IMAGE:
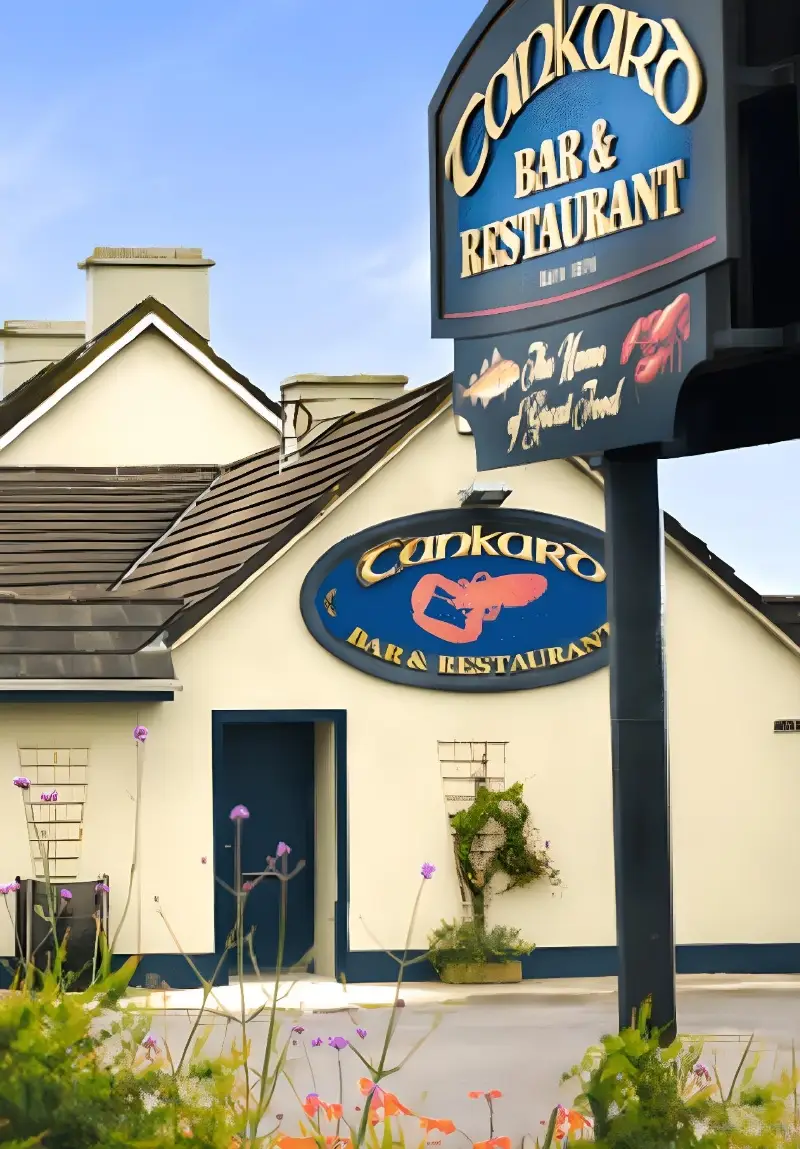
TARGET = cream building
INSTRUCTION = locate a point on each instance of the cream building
(167, 594)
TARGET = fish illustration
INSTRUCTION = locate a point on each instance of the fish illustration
(328, 602)
(494, 380)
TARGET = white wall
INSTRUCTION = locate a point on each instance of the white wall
(736, 786)
(148, 405)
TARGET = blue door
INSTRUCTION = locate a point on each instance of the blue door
(269, 768)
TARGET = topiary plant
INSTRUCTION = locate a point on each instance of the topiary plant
(495, 836)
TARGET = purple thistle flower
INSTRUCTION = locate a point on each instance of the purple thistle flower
(283, 849)
(247, 887)
(239, 813)
(362, 1033)
(66, 895)
(5, 890)
(337, 1043)
(101, 888)
(13, 887)
(298, 1029)
(150, 1042)
(316, 1041)
(428, 870)
(701, 1071)
(22, 783)
(140, 733)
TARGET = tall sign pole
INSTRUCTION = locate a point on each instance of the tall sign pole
(585, 234)
(639, 740)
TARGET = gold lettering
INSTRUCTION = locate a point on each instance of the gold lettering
(471, 261)
(572, 228)
(525, 552)
(483, 666)
(518, 664)
(534, 665)
(570, 162)
(575, 652)
(611, 60)
(393, 654)
(548, 75)
(620, 216)
(549, 176)
(464, 544)
(592, 642)
(509, 253)
(645, 195)
(501, 662)
(508, 72)
(465, 666)
(446, 664)
(364, 570)
(574, 564)
(670, 175)
(417, 661)
(565, 50)
(684, 54)
(409, 550)
(596, 222)
(374, 648)
(482, 544)
(527, 221)
(489, 247)
(463, 181)
(528, 182)
(550, 239)
(550, 552)
(556, 655)
(359, 638)
(636, 25)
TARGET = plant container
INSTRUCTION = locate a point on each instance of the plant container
(482, 973)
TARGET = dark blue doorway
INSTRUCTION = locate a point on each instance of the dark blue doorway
(269, 768)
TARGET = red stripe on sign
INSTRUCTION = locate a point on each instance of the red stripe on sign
(583, 290)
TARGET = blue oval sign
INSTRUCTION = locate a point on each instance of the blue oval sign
(466, 600)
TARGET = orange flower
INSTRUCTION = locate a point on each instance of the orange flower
(494, 1093)
(440, 1125)
(333, 1112)
(491, 1093)
(312, 1104)
(495, 1143)
(568, 1121)
(391, 1106)
(475, 1094)
(297, 1143)
(339, 1142)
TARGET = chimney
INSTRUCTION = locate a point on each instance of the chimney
(117, 278)
(311, 403)
(30, 345)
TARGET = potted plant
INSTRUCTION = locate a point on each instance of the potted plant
(493, 838)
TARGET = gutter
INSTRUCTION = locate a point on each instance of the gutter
(90, 685)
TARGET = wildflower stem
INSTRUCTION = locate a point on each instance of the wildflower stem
(136, 827)
(207, 988)
(274, 1007)
(341, 1091)
(240, 900)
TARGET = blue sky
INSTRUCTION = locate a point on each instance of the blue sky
(288, 139)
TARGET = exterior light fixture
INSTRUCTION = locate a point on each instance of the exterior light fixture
(484, 495)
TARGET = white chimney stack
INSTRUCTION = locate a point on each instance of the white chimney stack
(117, 278)
(311, 403)
(30, 345)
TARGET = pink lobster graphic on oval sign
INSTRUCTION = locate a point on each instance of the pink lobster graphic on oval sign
(480, 601)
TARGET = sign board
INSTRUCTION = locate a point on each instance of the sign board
(464, 600)
(787, 726)
(581, 192)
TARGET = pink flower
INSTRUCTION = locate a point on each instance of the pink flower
(298, 1029)
(203, 860)
(247, 887)
(66, 895)
(428, 870)
(22, 783)
(316, 1041)
(101, 888)
(362, 1033)
(140, 733)
(283, 849)
(337, 1043)
(239, 813)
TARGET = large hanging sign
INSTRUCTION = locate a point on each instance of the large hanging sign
(580, 195)
(464, 600)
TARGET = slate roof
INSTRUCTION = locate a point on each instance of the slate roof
(25, 398)
(102, 570)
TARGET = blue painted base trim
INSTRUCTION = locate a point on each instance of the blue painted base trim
(173, 969)
(13, 696)
(600, 961)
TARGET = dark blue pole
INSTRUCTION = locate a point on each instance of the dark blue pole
(639, 742)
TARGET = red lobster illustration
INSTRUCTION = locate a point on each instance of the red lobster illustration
(480, 601)
(658, 335)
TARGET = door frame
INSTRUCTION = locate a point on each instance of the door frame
(338, 718)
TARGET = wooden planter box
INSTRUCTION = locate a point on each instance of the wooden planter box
(483, 973)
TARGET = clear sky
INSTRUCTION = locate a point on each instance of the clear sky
(288, 138)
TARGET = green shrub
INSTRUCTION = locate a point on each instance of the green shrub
(464, 942)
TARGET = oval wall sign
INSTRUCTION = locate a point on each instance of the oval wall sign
(464, 600)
